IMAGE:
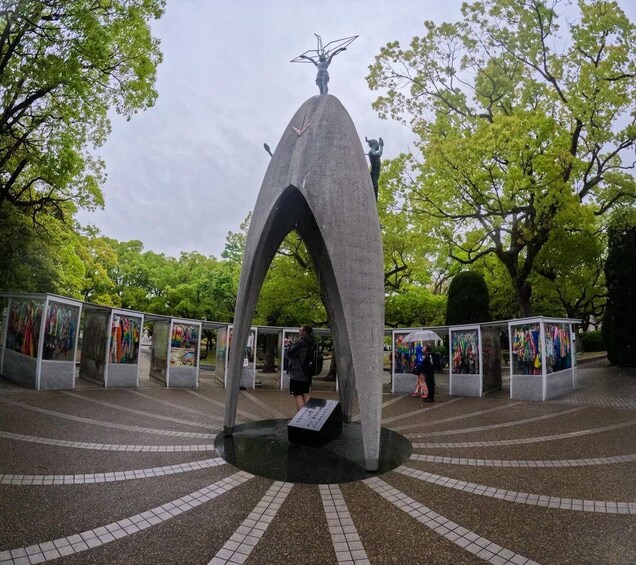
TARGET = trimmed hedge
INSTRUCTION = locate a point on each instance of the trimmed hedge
(620, 274)
(592, 341)
(468, 299)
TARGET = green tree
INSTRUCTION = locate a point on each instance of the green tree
(409, 250)
(523, 126)
(416, 270)
(620, 273)
(48, 257)
(414, 306)
(97, 256)
(144, 278)
(291, 293)
(26, 259)
(415, 276)
(202, 289)
(235, 242)
(502, 304)
(468, 299)
(63, 66)
(569, 279)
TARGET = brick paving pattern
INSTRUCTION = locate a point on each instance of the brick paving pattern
(530, 478)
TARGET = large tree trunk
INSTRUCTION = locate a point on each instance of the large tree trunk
(523, 290)
(519, 277)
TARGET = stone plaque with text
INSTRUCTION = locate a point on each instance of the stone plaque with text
(317, 423)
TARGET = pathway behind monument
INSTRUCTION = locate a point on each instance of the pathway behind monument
(317, 423)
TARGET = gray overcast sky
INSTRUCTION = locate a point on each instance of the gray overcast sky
(185, 172)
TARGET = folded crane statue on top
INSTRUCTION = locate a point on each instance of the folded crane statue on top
(321, 57)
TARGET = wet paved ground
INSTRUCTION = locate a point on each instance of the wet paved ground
(131, 476)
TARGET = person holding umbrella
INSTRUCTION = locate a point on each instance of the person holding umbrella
(418, 370)
(428, 368)
(424, 366)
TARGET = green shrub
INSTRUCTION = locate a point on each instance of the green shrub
(592, 341)
(441, 349)
(468, 300)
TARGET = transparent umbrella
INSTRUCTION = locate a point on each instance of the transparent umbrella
(421, 335)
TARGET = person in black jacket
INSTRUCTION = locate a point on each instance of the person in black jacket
(300, 356)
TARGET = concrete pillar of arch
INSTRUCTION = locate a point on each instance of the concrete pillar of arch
(318, 184)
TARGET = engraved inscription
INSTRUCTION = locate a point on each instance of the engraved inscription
(313, 417)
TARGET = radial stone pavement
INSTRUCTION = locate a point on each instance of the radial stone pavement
(131, 476)
(318, 184)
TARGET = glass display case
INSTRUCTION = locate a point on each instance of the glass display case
(40, 341)
(464, 354)
(184, 344)
(248, 371)
(60, 331)
(402, 362)
(541, 363)
(465, 361)
(175, 352)
(159, 350)
(124, 338)
(110, 346)
(123, 349)
(558, 347)
(525, 349)
(221, 355)
(94, 348)
(491, 359)
(23, 326)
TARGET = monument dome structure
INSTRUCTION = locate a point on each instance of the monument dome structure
(318, 184)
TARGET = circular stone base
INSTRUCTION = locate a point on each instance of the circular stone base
(262, 448)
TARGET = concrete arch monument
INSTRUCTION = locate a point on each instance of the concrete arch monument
(318, 184)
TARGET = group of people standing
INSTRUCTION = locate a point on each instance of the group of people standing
(424, 368)
(301, 353)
